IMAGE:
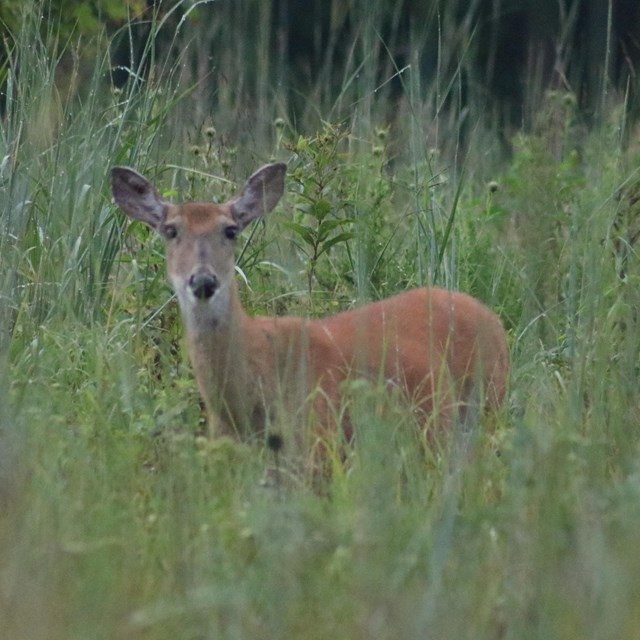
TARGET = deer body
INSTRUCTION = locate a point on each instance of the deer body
(438, 346)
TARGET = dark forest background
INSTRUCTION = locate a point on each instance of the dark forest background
(504, 50)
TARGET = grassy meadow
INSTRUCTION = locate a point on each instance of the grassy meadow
(119, 519)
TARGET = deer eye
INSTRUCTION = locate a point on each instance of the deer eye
(231, 232)
(170, 231)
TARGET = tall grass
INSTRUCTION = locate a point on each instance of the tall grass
(119, 520)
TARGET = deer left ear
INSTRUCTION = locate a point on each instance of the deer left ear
(137, 197)
(260, 194)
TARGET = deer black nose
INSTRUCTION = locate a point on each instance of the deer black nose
(203, 285)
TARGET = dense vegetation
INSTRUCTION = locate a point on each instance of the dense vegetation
(119, 519)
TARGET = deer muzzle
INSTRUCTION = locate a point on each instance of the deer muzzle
(203, 285)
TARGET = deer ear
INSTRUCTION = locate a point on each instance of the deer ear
(137, 197)
(260, 194)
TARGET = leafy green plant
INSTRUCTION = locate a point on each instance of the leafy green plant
(541, 192)
(320, 197)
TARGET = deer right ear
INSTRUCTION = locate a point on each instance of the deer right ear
(137, 197)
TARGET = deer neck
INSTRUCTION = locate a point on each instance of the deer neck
(216, 336)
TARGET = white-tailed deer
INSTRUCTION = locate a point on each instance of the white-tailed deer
(444, 349)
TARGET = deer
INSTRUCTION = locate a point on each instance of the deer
(445, 350)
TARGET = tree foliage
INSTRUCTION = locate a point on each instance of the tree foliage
(85, 18)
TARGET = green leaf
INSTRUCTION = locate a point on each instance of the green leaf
(341, 237)
(306, 233)
(320, 209)
(327, 226)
